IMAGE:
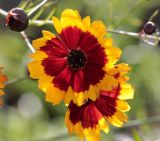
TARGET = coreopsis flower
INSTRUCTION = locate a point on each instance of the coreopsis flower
(87, 120)
(3, 79)
(73, 64)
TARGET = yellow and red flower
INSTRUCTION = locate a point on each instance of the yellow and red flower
(77, 66)
(87, 120)
(3, 79)
(74, 64)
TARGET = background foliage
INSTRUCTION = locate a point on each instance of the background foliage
(27, 117)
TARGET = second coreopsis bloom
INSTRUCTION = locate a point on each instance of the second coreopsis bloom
(72, 65)
(87, 120)
(3, 79)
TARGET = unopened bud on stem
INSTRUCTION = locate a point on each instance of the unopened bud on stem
(17, 20)
(149, 28)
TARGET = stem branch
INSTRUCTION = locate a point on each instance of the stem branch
(131, 123)
(3, 13)
(27, 41)
(14, 81)
(40, 22)
(142, 36)
(133, 34)
(139, 122)
(37, 7)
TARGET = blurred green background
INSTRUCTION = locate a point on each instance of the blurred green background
(27, 117)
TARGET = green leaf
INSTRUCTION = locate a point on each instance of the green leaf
(38, 14)
(136, 135)
(24, 4)
(50, 14)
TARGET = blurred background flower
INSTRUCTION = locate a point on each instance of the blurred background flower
(27, 117)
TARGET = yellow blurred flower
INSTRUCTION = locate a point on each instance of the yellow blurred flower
(3, 79)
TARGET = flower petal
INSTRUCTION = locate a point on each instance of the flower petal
(54, 94)
(98, 29)
(38, 43)
(113, 55)
(127, 91)
(3, 79)
(53, 66)
(62, 79)
(103, 125)
(38, 55)
(79, 98)
(68, 96)
(108, 83)
(44, 81)
(118, 119)
(71, 18)
(122, 106)
(71, 36)
(36, 69)
(92, 94)
(57, 24)
(1, 93)
(86, 21)
(48, 35)
(72, 14)
(91, 135)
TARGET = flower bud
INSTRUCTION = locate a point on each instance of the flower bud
(149, 28)
(17, 20)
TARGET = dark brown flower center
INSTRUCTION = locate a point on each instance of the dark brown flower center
(76, 59)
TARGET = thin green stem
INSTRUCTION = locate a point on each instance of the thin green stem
(154, 15)
(144, 37)
(38, 13)
(50, 14)
(132, 34)
(40, 22)
(139, 122)
(14, 81)
(24, 4)
(130, 124)
(27, 41)
(37, 7)
(3, 12)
